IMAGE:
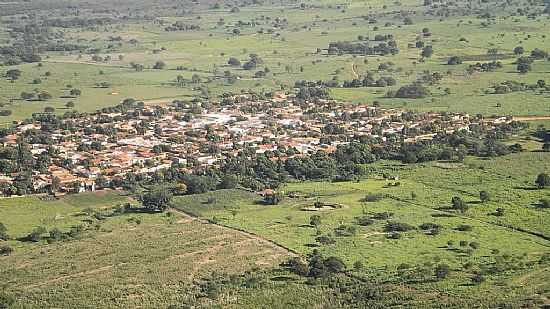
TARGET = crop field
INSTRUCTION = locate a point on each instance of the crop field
(130, 260)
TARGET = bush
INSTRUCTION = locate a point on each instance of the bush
(382, 215)
(364, 221)
(345, 230)
(464, 228)
(398, 227)
(412, 92)
(429, 226)
(5, 250)
(372, 197)
(36, 234)
(454, 60)
(441, 271)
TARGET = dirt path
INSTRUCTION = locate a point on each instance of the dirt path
(75, 275)
(530, 118)
(353, 70)
(256, 237)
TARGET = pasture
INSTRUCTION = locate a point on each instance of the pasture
(132, 260)
(291, 49)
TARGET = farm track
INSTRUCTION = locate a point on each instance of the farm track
(530, 118)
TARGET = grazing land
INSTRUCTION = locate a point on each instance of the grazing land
(123, 261)
(118, 56)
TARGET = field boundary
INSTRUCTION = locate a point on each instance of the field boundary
(252, 235)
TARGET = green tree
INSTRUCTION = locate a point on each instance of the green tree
(484, 196)
(3, 232)
(36, 234)
(442, 271)
(156, 200)
(427, 52)
(159, 65)
(459, 204)
(315, 221)
(543, 180)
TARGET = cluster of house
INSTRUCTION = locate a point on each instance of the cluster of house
(144, 140)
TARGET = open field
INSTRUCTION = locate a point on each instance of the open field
(289, 50)
(509, 180)
(130, 260)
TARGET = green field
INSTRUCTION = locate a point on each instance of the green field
(290, 53)
(127, 261)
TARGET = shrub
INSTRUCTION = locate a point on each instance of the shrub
(454, 60)
(382, 215)
(345, 230)
(364, 221)
(429, 226)
(5, 250)
(412, 92)
(372, 197)
(442, 271)
(464, 228)
(398, 227)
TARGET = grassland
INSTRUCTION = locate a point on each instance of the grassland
(290, 53)
(133, 260)
(156, 260)
(509, 180)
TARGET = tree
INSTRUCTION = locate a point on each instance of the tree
(454, 60)
(484, 196)
(234, 62)
(27, 95)
(459, 204)
(195, 78)
(325, 240)
(543, 180)
(69, 104)
(523, 67)
(412, 92)
(75, 92)
(478, 279)
(315, 221)
(49, 109)
(157, 200)
(273, 198)
(3, 232)
(36, 233)
(13, 74)
(544, 203)
(442, 271)
(56, 184)
(159, 65)
(519, 50)
(427, 52)
(229, 182)
(5, 250)
(181, 189)
(44, 96)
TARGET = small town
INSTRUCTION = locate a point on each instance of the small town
(144, 139)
